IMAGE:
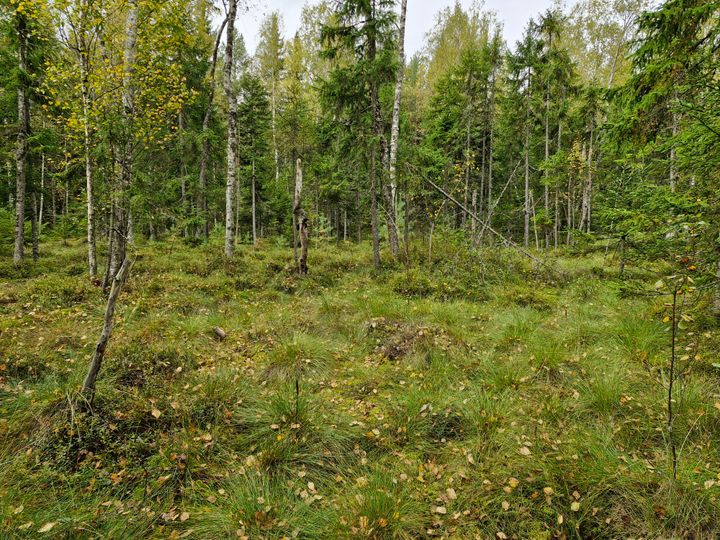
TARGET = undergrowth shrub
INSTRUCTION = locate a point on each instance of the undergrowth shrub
(415, 283)
(529, 295)
(140, 364)
(54, 289)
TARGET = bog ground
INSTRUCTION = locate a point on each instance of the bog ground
(474, 398)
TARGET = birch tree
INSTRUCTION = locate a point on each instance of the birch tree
(205, 148)
(22, 20)
(391, 197)
(270, 55)
(232, 131)
(83, 18)
(121, 211)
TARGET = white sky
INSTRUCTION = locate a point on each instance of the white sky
(514, 15)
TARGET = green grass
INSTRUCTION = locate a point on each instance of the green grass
(472, 396)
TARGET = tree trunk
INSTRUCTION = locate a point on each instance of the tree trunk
(373, 208)
(34, 226)
(717, 289)
(296, 256)
(466, 192)
(88, 388)
(491, 119)
(121, 229)
(21, 152)
(526, 210)
(390, 218)
(205, 151)
(232, 132)
(274, 130)
(430, 242)
(586, 211)
(475, 211)
(547, 172)
(301, 219)
(237, 206)
(406, 223)
(107, 278)
(377, 129)
(569, 210)
(534, 220)
(673, 153)
(42, 190)
(556, 220)
(526, 236)
(130, 228)
(92, 252)
(254, 206)
(395, 135)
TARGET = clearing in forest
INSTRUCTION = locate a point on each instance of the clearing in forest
(474, 398)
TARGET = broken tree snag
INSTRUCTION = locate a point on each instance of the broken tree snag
(119, 280)
(301, 220)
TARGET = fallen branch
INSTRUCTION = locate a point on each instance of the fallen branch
(489, 228)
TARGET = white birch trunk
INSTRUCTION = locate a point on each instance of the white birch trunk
(92, 257)
(21, 151)
(232, 132)
(121, 228)
(395, 129)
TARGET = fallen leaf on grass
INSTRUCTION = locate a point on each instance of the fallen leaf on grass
(47, 527)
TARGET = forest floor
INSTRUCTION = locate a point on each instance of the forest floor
(477, 398)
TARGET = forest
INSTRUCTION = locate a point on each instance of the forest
(334, 287)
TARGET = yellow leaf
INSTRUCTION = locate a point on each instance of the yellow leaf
(47, 527)
(156, 413)
(575, 506)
